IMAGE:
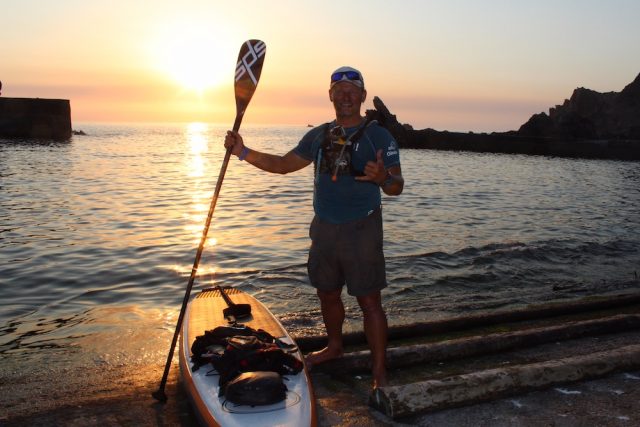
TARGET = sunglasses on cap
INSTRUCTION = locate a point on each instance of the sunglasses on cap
(349, 75)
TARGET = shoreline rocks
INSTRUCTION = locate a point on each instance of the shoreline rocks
(588, 125)
(590, 115)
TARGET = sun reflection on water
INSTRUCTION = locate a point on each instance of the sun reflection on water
(197, 162)
(198, 141)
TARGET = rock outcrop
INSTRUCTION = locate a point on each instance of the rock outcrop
(589, 124)
(591, 115)
(389, 121)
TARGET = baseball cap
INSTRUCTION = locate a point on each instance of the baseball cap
(347, 74)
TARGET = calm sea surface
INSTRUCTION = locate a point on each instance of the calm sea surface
(98, 236)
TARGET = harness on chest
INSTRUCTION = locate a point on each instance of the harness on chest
(335, 155)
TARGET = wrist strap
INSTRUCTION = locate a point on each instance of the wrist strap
(243, 153)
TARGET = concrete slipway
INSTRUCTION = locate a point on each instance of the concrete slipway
(565, 365)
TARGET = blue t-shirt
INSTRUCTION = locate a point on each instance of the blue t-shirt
(346, 199)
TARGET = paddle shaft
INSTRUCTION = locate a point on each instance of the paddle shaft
(159, 394)
(243, 97)
(225, 297)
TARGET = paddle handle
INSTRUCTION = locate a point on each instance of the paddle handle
(225, 296)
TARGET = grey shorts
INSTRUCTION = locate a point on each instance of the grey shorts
(348, 254)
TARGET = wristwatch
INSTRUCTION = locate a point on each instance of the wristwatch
(387, 180)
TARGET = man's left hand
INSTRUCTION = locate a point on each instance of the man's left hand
(374, 171)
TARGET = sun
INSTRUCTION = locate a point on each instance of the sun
(192, 58)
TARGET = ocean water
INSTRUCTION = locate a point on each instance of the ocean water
(98, 236)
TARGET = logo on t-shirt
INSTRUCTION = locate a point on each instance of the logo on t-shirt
(392, 150)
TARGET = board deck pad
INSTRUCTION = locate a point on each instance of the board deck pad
(207, 307)
(205, 312)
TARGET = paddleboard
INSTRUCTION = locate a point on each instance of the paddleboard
(205, 312)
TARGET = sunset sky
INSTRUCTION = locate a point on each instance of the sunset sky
(445, 64)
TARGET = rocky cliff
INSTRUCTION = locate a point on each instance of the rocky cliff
(591, 115)
(589, 124)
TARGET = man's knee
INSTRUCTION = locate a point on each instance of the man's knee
(371, 303)
(330, 296)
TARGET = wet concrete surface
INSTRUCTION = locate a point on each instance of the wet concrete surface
(610, 401)
(343, 399)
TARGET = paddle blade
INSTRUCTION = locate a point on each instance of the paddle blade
(248, 69)
(239, 311)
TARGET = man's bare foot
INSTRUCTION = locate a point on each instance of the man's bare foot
(322, 356)
(380, 379)
(377, 383)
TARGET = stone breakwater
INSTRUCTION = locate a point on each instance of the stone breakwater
(515, 144)
(35, 118)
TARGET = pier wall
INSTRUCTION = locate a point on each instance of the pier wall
(35, 118)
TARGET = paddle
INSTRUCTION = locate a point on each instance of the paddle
(233, 311)
(248, 69)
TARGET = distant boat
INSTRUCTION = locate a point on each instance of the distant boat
(309, 126)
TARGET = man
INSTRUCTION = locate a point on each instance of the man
(353, 160)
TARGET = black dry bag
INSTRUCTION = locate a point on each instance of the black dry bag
(256, 388)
